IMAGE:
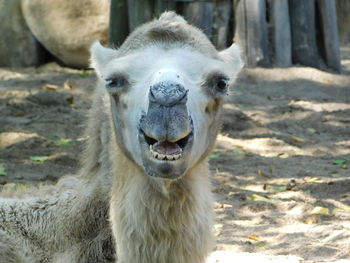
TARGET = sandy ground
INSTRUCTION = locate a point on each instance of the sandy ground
(280, 170)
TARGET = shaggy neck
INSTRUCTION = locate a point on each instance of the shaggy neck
(159, 222)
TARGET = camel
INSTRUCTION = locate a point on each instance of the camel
(143, 193)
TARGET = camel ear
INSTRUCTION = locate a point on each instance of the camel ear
(232, 57)
(100, 56)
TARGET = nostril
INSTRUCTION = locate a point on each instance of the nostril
(184, 98)
(152, 98)
(168, 93)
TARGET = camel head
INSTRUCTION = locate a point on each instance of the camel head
(166, 85)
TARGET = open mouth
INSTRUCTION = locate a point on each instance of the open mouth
(165, 150)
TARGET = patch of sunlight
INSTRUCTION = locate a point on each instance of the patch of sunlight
(229, 106)
(19, 95)
(341, 261)
(346, 225)
(343, 143)
(320, 107)
(296, 228)
(9, 138)
(247, 223)
(298, 73)
(337, 123)
(267, 147)
(298, 210)
(328, 150)
(288, 195)
(6, 74)
(230, 256)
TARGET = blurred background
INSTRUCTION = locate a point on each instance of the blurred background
(271, 33)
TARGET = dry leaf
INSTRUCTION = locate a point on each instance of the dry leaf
(39, 158)
(2, 170)
(313, 180)
(339, 162)
(222, 206)
(68, 85)
(262, 244)
(283, 155)
(338, 210)
(346, 207)
(70, 100)
(312, 130)
(311, 220)
(297, 139)
(280, 188)
(218, 226)
(214, 155)
(50, 87)
(62, 142)
(320, 210)
(260, 173)
(255, 238)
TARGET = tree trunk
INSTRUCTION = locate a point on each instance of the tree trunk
(304, 46)
(330, 38)
(139, 12)
(281, 35)
(118, 22)
(163, 5)
(251, 31)
(222, 13)
(200, 14)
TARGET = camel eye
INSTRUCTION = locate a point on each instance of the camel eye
(217, 84)
(116, 83)
(222, 84)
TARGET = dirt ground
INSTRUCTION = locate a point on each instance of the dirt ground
(280, 170)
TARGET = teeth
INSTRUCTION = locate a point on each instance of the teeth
(166, 157)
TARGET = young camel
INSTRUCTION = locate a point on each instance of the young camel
(155, 115)
(166, 85)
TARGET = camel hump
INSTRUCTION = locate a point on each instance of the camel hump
(170, 16)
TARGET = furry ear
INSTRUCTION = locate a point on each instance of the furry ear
(100, 56)
(232, 57)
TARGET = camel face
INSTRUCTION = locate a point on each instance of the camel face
(166, 102)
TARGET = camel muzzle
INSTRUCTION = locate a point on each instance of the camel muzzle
(167, 118)
(166, 129)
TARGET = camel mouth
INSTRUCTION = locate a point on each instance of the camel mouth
(162, 154)
(166, 150)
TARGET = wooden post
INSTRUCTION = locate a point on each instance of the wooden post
(281, 35)
(139, 13)
(343, 19)
(304, 46)
(221, 18)
(251, 31)
(118, 22)
(330, 35)
(200, 14)
(163, 5)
